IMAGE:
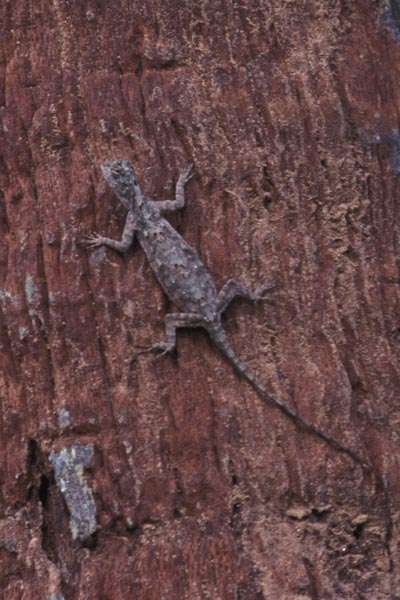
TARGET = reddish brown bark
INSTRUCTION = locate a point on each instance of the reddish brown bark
(170, 478)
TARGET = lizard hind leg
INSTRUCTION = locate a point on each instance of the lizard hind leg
(233, 289)
(172, 322)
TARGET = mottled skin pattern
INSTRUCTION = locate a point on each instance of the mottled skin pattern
(184, 277)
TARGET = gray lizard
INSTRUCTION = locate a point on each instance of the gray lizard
(185, 279)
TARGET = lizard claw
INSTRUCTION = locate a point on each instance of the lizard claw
(162, 348)
(259, 293)
(93, 240)
(187, 174)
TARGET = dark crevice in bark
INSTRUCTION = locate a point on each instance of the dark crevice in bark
(40, 489)
(312, 587)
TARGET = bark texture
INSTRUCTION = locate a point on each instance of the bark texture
(169, 478)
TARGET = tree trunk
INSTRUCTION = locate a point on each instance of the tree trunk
(130, 476)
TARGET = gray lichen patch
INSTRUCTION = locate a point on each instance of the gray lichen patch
(22, 333)
(68, 465)
(391, 140)
(64, 418)
(390, 17)
(7, 297)
(32, 295)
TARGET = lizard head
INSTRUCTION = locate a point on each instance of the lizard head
(121, 177)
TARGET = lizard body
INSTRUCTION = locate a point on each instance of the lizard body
(186, 280)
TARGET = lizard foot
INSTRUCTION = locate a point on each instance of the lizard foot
(162, 348)
(94, 240)
(259, 293)
(187, 174)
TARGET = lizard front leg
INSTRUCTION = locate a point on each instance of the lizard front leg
(179, 202)
(172, 322)
(95, 240)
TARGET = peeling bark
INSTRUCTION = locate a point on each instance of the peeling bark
(179, 482)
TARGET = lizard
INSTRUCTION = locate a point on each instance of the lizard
(186, 280)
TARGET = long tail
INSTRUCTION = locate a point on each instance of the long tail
(220, 339)
(223, 344)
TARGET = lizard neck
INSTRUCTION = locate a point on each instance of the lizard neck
(132, 199)
(145, 214)
(143, 210)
